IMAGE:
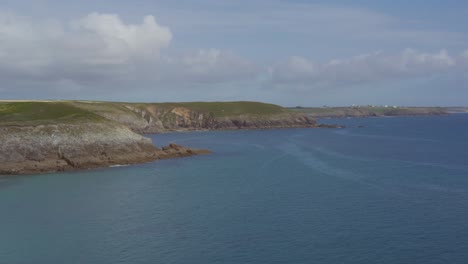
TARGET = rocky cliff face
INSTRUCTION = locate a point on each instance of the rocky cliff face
(156, 119)
(49, 148)
(259, 122)
(55, 136)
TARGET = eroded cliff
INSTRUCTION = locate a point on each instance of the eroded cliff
(49, 137)
(63, 135)
(155, 118)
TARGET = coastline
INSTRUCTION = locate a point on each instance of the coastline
(51, 136)
(44, 148)
(60, 164)
(371, 111)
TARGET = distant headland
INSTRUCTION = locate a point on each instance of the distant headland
(373, 110)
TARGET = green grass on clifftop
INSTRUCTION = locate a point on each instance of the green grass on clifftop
(23, 113)
(33, 113)
(221, 109)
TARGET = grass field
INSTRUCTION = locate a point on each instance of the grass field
(221, 109)
(49, 112)
(31, 113)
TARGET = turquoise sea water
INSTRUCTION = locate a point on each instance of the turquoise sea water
(393, 191)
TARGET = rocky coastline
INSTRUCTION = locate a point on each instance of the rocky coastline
(158, 118)
(41, 137)
(65, 147)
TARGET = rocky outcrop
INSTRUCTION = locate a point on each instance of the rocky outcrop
(156, 119)
(57, 136)
(286, 120)
(60, 147)
(330, 126)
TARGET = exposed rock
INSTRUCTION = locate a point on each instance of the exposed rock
(50, 148)
(154, 118)
(330, 126)
(55, 140)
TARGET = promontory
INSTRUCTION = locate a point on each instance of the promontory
(49, 136)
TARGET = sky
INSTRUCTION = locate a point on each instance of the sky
(288, 52)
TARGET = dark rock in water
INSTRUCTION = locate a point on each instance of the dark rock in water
(330, 126)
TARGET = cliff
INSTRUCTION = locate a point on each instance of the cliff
(162, 117)
(48, 136)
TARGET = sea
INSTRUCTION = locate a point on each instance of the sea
(380, 191)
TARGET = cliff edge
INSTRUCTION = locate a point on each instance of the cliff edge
(48, 136)
(163, 117)
(38, 137)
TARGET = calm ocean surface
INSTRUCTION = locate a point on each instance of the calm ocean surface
(392, 191)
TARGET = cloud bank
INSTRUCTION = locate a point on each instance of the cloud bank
(101, 55)
(102, 47)
(32, 47)
(372, 67)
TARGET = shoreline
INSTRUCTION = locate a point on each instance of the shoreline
(384, 116)
(171, 151)
(370, 111)
(168, 152)
(52, 136)
(189, 130)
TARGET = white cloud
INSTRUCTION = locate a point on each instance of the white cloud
(101, 54)
(101, 48)
(372, 67)
(118, 40)
(96, 44)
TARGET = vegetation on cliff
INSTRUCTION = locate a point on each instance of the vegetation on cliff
(55, 136)
(153, 117)
(41, 113)
(224, 109)
(41, 136)
(47, 136)
(366, 111)
(161, 117)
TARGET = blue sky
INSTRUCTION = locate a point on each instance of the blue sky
(293, 52)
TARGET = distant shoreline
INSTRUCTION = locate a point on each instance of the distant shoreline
(370, 111)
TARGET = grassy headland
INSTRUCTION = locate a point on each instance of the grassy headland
(48, 136)
(217, 109)
(223, 109)
(366, 111)
(160, 117)
(41, 113)
(44, 136)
